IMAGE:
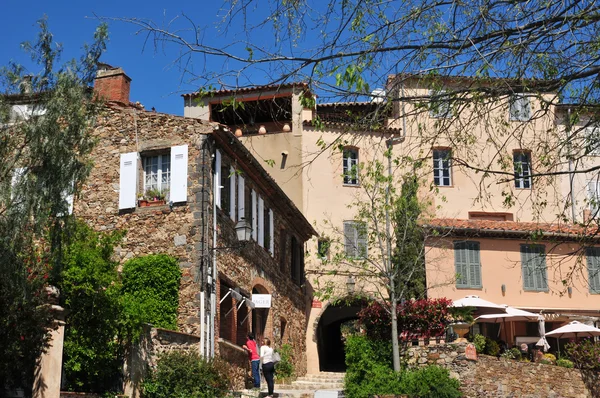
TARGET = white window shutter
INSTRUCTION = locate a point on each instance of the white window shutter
(217, 189)
(16, 177)
(593, 196)
(241, 198)
(261, 222)
(232, 189)
(179, 174)
(254, 217)
(68, 198)
(272, 230)
(128, 180)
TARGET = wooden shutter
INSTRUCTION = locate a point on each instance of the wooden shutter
(593, 263)
(261, 222)
(460, 262)
(254, 217)
(534, 267)
(217, 189)
(593, 196)
(361, 240)
(179, 174)
(474, 264)
(350, 238)
(241, 198)
(540, 269)
(128, 180)
(232, 189)
(272, 232)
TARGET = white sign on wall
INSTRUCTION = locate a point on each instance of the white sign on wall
(262, 300)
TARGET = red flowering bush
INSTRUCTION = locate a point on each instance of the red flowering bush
(424, 318)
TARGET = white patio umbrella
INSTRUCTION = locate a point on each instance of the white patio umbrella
(574, 329)
(512, 315)
(482, 307)
(542, 331)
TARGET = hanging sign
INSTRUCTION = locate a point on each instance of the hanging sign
(262, 300)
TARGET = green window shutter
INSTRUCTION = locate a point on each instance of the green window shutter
(474, 264)
(526, 263)
(460, 261)
(593, 263)
(349, 238)
(361, 240)
(541, 277)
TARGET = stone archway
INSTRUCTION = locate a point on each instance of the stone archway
(260, 317)
(328, 334)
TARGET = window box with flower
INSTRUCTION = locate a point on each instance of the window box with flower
(152, 197)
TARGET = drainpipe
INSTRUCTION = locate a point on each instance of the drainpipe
(212, 279)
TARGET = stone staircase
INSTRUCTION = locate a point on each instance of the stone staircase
(320, 385)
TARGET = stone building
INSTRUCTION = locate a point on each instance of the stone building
(206, 184)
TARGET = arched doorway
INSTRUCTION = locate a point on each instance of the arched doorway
(330, 334)
(259, 316)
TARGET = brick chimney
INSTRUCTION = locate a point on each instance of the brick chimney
(112, 84)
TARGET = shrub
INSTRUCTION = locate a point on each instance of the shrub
(183, 374)
(585, 354)
(150, 291)
(480, 343)
(369, 371)
(565, 363)
(549, 359)
(491, 347)
(430, 382)
(285, 368)
(513, 353)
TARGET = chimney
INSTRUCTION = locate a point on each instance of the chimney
(112, 84)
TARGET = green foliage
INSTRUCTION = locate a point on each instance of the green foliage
(187, 375)
(52, 152)
(409, 254)
(491, 347)
(370, 373)
(565, 363)
(90, 292)
(479, 341)
(462, 314)
(430, 382)
(513, 353)
(150, 292)
(285, 368)
(585, 354)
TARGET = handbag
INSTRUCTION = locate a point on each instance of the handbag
(276, 358)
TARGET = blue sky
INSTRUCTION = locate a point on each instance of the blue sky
(156, 82)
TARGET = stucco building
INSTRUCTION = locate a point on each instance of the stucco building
(504, 224)
(208, 186)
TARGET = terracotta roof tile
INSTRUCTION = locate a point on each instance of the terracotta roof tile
(490, 227)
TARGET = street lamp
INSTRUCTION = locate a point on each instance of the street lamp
(243, 231)
(350, 284)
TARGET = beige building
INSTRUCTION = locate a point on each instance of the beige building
(459, 135)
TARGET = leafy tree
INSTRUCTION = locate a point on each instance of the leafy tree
(93, 346)
(385, 218)
(45, 142)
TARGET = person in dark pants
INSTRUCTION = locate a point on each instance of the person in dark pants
(268, 367)
(254, 358)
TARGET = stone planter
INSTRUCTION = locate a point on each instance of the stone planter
(461, 329)
(148, 203)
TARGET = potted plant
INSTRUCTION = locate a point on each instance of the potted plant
(152, 197)
(462, 319)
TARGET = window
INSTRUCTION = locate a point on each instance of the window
(226, 313)
(350, 166)
(520, 108)
(225, 190)
(593, 263)
(355, 239)
(160, 173)
(468, 266)
(592, 140)
(439, 107)
(297, 270)
(522, 165)
(323, 249)
(157, 173)
(593, 193)
(533, 261)
(268, 227)
(282, 250)
(441, 167)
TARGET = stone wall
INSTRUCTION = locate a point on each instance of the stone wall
(498, 377)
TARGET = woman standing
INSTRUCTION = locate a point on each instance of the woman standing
(268, 367)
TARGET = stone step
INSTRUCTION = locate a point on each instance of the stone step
(306, 385)
(319, 379)
(282, 393)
